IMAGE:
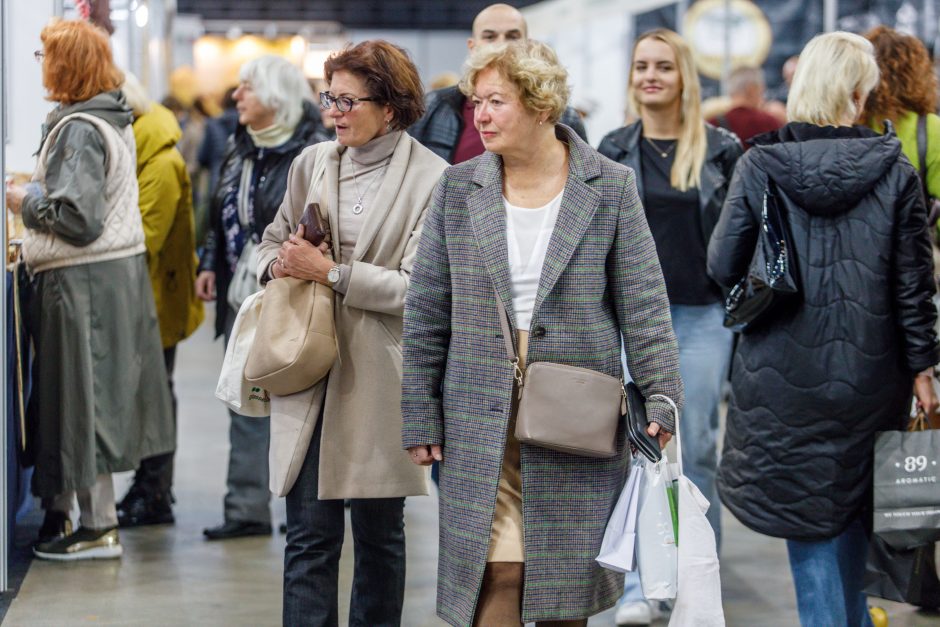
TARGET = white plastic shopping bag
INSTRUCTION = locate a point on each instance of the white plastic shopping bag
(657, 554)
(233, 390)
(698, 602)
(618, 549)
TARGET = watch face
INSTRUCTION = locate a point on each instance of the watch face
(333, 275)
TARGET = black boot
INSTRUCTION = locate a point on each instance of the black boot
(139, 508)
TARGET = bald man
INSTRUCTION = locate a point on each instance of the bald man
(447, 126)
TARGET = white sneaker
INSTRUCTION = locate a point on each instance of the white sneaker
(634, 613)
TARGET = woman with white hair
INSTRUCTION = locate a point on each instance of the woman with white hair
(816, 380)
(276, 121)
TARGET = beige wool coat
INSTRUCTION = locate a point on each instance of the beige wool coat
(361, 454)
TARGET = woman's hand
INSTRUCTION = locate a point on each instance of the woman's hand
(926, 396)
(14, 197)
(205, 286)
(664, 437)
(426, 455)
(302, 260)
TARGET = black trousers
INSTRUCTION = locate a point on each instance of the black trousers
(315, 530)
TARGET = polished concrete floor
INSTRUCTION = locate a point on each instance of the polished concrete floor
(170, 576)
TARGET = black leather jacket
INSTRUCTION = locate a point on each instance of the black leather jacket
(273, 165)
(724, 149)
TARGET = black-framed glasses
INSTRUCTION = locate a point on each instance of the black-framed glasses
(344, 104)
(39, 54)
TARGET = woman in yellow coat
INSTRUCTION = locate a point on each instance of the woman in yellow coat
(166, 206)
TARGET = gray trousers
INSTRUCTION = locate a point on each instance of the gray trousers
(95, 505)
(248, 497)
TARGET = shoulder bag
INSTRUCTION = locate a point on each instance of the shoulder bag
(565, 408)
(771, 279)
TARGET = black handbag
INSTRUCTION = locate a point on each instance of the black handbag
(771, 279)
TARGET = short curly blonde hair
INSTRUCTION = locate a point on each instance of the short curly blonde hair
(531, 66)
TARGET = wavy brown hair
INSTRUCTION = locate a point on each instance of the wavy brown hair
(389, 75)
(78, 64)
(908, 82)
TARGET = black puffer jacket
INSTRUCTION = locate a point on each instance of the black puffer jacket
(272, 166)
(812, 386)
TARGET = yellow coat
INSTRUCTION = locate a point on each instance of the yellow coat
(166, 205)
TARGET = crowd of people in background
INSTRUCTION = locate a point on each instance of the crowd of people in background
(445, 210)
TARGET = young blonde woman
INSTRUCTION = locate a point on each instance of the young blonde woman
(683, 167)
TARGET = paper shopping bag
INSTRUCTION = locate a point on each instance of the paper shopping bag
(907, 488)
(902, 575)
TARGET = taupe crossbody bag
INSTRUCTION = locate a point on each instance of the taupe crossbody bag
(565, 408)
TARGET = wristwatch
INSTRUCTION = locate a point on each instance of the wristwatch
(333, 275)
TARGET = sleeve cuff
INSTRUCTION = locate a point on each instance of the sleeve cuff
(343, 284)
(28, 212)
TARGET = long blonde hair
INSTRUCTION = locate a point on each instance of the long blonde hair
(691, 146)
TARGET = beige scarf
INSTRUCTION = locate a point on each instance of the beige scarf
(270, 136)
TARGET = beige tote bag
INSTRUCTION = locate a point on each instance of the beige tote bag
(295, 342)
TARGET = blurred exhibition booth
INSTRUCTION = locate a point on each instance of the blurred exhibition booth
(193, 48)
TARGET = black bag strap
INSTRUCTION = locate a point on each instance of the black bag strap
(922, 152)
(723, 122)
(933, 208)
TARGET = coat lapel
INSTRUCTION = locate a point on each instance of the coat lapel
(385, 196)
(578, 205)
(331, 187)
(488, 219)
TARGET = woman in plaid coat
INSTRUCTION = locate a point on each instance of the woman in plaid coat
(556, 232)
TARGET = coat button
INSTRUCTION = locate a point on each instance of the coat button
(538, 331)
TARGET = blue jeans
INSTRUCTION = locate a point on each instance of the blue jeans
(315, 530)
(704, 357)
(828, 577)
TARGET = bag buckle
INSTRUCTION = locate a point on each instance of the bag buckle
(518, 374)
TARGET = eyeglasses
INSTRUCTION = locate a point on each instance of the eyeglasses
(39, 54)
(344, 104)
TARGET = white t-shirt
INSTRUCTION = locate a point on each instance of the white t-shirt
(528, 232)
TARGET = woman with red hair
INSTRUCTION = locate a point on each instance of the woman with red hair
(906, 95)
(93, 410)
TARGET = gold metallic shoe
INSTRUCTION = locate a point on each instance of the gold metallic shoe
(84, 544)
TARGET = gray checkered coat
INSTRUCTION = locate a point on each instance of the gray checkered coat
(601, 278)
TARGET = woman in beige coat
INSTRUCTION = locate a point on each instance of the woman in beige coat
(341, 439)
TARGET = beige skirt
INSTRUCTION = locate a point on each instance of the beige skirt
(506, 539)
